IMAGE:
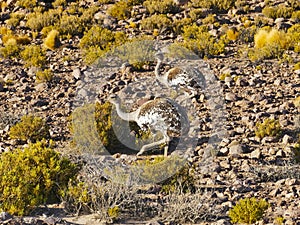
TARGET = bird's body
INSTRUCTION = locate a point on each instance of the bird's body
(159, 115)
(186, 78)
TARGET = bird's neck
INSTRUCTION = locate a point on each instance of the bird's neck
(157, 68)
(124, 115)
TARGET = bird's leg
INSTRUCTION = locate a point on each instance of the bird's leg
(151, 145)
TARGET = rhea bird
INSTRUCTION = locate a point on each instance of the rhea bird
(157, 115)
(188, 78)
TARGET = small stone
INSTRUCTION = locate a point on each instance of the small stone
(290, 181)
(5, 216)
(236, 150)
(255, 154)
(286, 139)
(274, 192)
(277, 81)
(280, 153)
(76, 73)
(1, 87)
(230, 97)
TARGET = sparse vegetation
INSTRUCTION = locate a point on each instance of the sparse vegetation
(30, 128)
(163, 7)
(52, 40)
(269, 43)
(34, 55)
(44, 76)
(277, 12)
(120, 10)
(10, 49)
(32, 176)
(200, 41)
(269, 127)
(217, 5)
(248, 210)
(160, 22)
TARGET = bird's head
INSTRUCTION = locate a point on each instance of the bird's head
(159, 56)
(114, 99)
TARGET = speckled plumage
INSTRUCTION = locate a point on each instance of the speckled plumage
(187, 78)
(159, 115)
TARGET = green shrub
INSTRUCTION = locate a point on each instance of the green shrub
(277, 12)
(113, 212)
(58, 3)
(103, 137)
(163, 7)
(33, 176)
(269, 44)
(30, 128)
(69, 25)
(28, 4)
(137, 51)
(200, 41)
(52, 40)
(294, 36)
(15, 19)
(44, 76)
(248, 210)
(120, 10)
(10, 49)
(159, 22)
(216, 5)
(269, 127)
(34, 55)
(97, 40)
(296, 15)
(37, 20)
(297, 67)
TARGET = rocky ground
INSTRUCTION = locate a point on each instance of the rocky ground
(244, 165)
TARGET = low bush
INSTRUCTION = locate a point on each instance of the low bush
(160, 22)
(120, 10)
(269, 127)
(37, 20)
(294, 36)
(200, 41)
(28, 4)
(32, 176)
(269, 43)
(34, 55)
(163, 7)
(15, 19)
(52, 40)
(44, 76)
(277, 12)
(97, 40)
(216, 5)
(10, 49)
(248, 210)
(30, 128)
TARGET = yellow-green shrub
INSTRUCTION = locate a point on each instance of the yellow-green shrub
(15, 19)
(33, 55)
(294, 35)
(28, 4)
(97, 40)
(248, 210)
(217, 5)
(232, 34)
(37, 20)
(30, 128)
(269, 127)
(158, 6)
(44, 76)
(277, 12)
(52, 40)
(200, 41)
(10, 49)
(159, 22)
(120, 10)
(33, 176)
(269, 44)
